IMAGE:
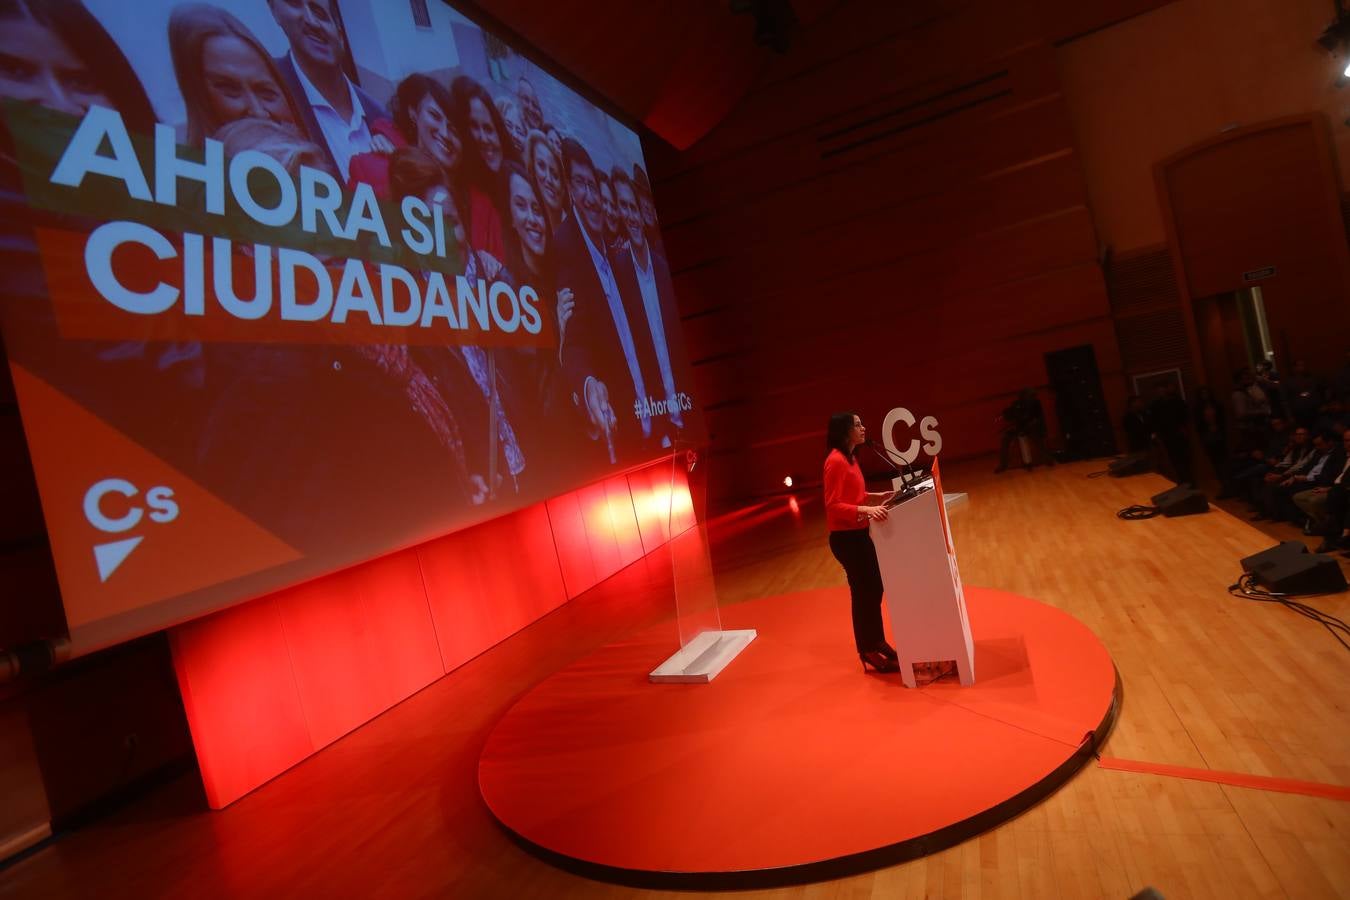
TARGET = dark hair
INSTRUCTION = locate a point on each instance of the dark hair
(574, 154)
(618, 177)
(640, 179)
(409, 95)
(92, 45)
(191, 26)
(836, 435)
(515, 254)
(533, 142)
(463, 91)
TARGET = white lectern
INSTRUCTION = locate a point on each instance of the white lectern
(923, 586)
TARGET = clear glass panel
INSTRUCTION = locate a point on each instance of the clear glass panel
(696, 605)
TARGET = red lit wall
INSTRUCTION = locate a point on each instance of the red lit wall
(884, 223)
(269, 682)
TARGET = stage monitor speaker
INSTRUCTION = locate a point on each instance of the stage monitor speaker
(1260, 562)
(1302, 573)
(1133, 464)
(1181, 501)
(1288, 568)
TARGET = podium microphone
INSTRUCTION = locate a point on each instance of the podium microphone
(906, 477)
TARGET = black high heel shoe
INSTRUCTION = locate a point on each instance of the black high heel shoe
(889, 651)
(879, 661)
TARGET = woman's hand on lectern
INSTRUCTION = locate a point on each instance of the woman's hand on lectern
(875, 513)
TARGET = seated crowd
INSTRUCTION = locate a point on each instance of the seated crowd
(1287, 453)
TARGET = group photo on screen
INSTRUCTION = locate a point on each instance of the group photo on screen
(344, 448)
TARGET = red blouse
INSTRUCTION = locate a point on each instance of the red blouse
(845, 489)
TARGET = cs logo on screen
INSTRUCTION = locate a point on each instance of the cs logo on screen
(114, 506)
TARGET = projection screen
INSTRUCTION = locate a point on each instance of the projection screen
(291, 284)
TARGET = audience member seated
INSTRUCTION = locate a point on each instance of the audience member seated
(1275, 500)
(1314, 502)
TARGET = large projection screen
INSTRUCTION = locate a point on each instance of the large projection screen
(292, 284)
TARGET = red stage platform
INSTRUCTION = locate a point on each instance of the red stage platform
(794, 765)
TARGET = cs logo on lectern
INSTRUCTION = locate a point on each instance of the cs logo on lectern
(112, 516)
(931, 443)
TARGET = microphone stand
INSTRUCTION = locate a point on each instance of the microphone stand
(906, 489)
(907, 476)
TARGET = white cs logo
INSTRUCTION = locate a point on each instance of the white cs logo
(932, 444)
(158, 500)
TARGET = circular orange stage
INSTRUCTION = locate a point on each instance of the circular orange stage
(794, 765)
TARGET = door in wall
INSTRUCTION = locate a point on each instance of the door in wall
(1080, 404)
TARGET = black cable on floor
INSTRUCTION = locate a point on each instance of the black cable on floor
(1245, 587)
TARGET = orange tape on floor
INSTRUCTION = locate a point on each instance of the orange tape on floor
(1237, 779)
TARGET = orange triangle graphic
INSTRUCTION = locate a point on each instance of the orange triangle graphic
(163, 535)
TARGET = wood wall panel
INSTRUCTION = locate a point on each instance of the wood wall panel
(1266, 195)
(932, 266)
(915, 64)
(975, 276)
(1029, 132)
(798, 159)
(898, 213)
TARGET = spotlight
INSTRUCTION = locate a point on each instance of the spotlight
(787, 481)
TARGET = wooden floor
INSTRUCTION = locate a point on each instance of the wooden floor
(1208, 681)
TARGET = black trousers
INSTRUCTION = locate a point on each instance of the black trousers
(858, 556)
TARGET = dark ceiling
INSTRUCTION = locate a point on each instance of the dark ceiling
(676, 66)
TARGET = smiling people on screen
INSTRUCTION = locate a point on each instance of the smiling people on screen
(657, 291)
(57, 55)
(615, 235)
(474, 380)
(531, 258)
(422, 118)
(648, 208)
(515, 125)
(224, 73)
(555, 139)
(531, 113)
(546, 169)
(335, 113)
(609, 350)
(486, 147)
